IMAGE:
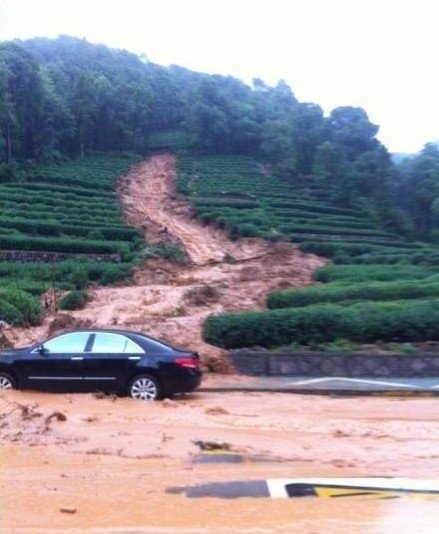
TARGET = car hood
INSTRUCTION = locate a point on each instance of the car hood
(13, 352)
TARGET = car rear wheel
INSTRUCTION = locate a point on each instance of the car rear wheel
(145, 387)
(6, 381)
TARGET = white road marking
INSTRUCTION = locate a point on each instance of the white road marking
(356, 381)
(277, 486)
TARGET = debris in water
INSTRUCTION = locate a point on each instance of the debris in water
(68, 510)
(58, 416)
(212, 445)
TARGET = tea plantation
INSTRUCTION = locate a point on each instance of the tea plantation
(69, 208)
(381, 287)
(234, 192)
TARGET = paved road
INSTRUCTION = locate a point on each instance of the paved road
(379, 488)
(336, 385)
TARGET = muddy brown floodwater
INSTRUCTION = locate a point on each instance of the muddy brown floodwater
(77, 463)
(112, 459)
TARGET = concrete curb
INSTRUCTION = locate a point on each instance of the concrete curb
(330, 392)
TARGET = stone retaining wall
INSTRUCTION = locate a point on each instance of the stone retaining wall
(314, 364)
(29, 256)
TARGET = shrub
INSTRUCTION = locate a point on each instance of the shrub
(95, 235)
(330, 249)
(362, 273)
(68, 245)
(19, 308)
(221, 222)
(79, 276)
(115, 273)
(247, 230)
(364, 322)
(75, 300)
(69, 207)
(338, 291)
(274, 328)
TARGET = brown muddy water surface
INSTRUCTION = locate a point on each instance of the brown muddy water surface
(112, 459)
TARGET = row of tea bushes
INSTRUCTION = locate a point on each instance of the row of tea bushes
(343, 291)
(365, 322)
(238, 193)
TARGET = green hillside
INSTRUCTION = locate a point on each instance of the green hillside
(253, 159)
(67, 97)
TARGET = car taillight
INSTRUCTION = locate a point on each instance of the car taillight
(188, 362)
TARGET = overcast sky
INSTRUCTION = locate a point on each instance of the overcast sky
(378, 54)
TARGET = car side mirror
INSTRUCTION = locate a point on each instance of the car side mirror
(42, 351)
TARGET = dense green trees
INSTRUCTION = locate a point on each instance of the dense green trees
(22, 103)
(350, 128)
(69, 95)
(419, 191)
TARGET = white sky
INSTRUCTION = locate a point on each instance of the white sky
(378, 54)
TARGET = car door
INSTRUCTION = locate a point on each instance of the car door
(56, 364)
(112, 359)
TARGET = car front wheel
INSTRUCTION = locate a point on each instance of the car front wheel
(145, 387)
(6, 381)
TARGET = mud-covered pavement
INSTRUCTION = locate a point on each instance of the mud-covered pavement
(111, 460)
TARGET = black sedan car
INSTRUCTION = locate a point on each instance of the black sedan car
(102, 360)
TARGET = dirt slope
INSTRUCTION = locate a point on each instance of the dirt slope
(171, 301)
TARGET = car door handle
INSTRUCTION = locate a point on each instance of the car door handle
(77, 358)
(134, 358)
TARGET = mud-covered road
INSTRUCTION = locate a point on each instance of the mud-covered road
(111, 460)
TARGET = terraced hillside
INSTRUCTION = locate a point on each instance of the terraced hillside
(234, 192)
(382, 288)
(68, 212)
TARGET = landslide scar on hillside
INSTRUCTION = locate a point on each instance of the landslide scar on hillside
(171, 301)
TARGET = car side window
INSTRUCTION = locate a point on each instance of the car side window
(73, 343)
(133, 348)
(107, 343)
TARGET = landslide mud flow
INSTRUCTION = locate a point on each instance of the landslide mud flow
(170, 301)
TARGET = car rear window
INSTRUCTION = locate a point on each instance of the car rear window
(156, 347)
